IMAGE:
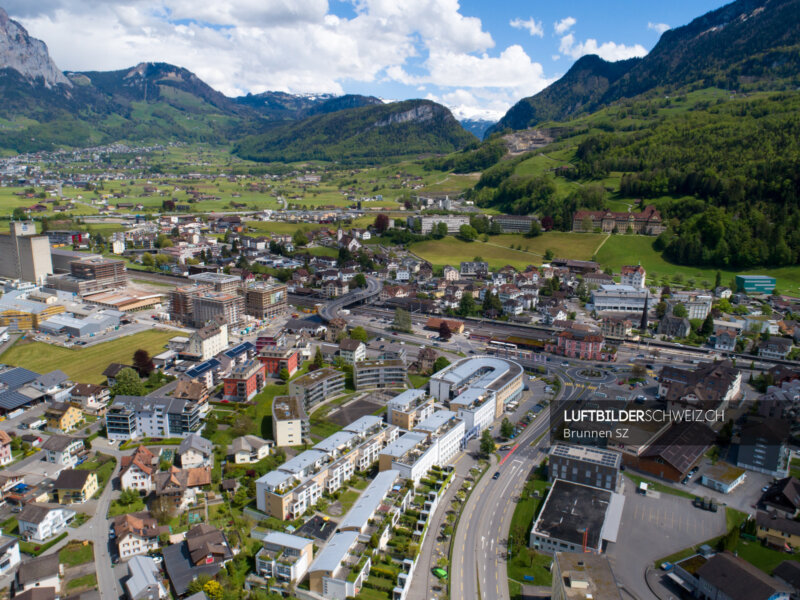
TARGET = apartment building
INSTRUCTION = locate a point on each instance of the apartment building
(275, 359)
(244, 381)
(633, 275)
(619, 298)
(453, 222)
(181, 302)
(585, 464)
(266, 301)
(208, 341)
(448, 430)
(379, 374)
(300, 482)
(290, 422)
(409, 408)
(134, 417)
(316, 386)
(211, 305)
(284, 556)
(219, 282)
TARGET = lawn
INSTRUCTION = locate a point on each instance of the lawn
(509, 249)
(116, 508)
(524, 560)
(76, 553)
(103, 465)
(279, 227)
(347, 499)
(84, 365)
(623, 249)
(658, 487)
(418, 381)
(86, 581)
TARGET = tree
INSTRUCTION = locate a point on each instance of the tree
(548, 255)
(718, 280)
(708, 326)
(535, 230)
(661, 309)
(381, 223)
(18, 214)
(162, 259)
(147, 260)
(487, 443)
(402, 320)
(467, 233)
(142, 362)
(359, 333)
(491, 301)
(211, 425)
(360, 280)
(679, 310)
(128, 383)
(299, 238)
(440, 230)
(444, 330)
(506, 428)
(440, 363)
(466, 306)
(318, 360)
(128, 496)
(284, 374)
(162, 509)
(163, 241)
(243, 425)
(639, 370)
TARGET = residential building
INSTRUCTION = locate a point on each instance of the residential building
(244, 381)
(616, 327)
(352, 351)
(219, 282)
(723, 477)
(709, 384)
(577, 518)
(181, 302)
(775, 348)
(137, 533)
(211, 305)
(633, 275)
(63, 450)
(138, 470)
(453, 222)
(580, 344)
(135, 417)
(111, 372)
(144, 580)
(208, 341)
(43, 572)
(335, 288)
(5, 449)
(697, 304)
(180, 485)
(674, 327)
(777, 531)
(90, 398)
(409, 408)
(249, 449)
(755, 284)
(379, 374)
(275, 359)
(9, 554)
(434, 324)
(266, 301)
(788, 572)
(619, 298)
(299, 483)
(196, 451)
(725, 339)
(76, 486)
(762, 446)
(581, 576)
(647, 222)
(62, 417)
(40, 522)
(727, 576)
(284, 556)
(338, 572)
(783, 497)
(450, 273)
(204, 551)
(317, 386)
(474, 269)
(448, 429)
(192, 390)
(587, 465)
(290, 422)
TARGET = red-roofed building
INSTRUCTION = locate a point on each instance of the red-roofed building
(633, 275)
(579, 344)
(646, 222)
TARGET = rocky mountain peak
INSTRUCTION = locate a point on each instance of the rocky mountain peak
(26, 54)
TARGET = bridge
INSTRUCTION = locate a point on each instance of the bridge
(358, 296)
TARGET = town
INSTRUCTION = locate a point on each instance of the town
(207, 398)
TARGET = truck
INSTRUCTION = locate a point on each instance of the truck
(705, 503)
(642, 488)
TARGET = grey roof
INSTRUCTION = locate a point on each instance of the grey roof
(403, 444)
(286, 540)
(275, 478)
(436, 420)
(406, 398)
(302, 461)
(788, 571)
(336, 441)
(197, 596)
(143, 403)
(72, 479)
(362, 424)
(12, 399)
(335, 552)
(37, 593)
(370, 500)
(246, 443)
(143, 573)
(17, 377)
(51, 379)
(58, 443)
(38, 568)
(196, 442)
(738, 579)
(36, 513)
(482, 371)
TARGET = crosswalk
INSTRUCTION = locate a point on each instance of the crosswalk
(584, 386)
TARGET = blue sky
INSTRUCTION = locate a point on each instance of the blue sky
(477, 57)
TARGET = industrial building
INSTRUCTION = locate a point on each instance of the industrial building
(755, 284)
(21, 310)
(73, 326)
(24, 254)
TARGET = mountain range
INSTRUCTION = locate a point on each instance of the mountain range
(745, 45)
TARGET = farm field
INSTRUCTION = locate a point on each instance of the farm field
(84, 365)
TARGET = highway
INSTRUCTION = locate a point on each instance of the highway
(331, 309)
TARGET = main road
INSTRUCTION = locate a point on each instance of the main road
(478, 568)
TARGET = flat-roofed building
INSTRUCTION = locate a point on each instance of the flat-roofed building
(577, 518)
(244, 381)
(290, 423)
(367, 505)
(582, 576)
(619, 298)
(316, 386)
(448, 430)
(219, 282)
(284, 556)
(379, 374)
(585, 464)
(409, 408)
(338, 571)
(211, 305)
(276, 359)
(266, 301)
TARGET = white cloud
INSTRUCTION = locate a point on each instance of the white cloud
(555, 56)
(531, 25)
(564, 25)
(659, 27)
(610, 51)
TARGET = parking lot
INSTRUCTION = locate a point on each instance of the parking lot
(655, 526)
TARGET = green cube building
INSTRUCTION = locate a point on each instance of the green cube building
(755, 284)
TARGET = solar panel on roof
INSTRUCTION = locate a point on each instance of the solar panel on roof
(10, 400)
(203, 368)
(17, 377)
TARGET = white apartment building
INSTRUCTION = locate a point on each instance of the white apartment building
(476, 407)
(634, 276)
(448, 430)
(619, 298)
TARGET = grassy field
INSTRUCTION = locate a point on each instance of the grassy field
(527, 561)
(501, 250)
(84, 365)
(76, 553)
(623, 249)
(658, 487)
